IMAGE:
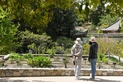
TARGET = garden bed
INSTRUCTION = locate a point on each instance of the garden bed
(57, 62)
(58, 68)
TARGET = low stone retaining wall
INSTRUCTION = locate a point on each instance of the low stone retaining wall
(22, 72)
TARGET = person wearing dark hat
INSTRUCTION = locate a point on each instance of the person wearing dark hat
(93, 56)
(76, 52)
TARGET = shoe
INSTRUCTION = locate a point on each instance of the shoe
(77, 77)
(92, 78)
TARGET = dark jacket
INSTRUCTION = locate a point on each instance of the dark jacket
(93, 51)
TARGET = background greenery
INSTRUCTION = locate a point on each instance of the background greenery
(44, 25)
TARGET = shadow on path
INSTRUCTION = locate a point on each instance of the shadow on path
(99, 80)
(7, 80)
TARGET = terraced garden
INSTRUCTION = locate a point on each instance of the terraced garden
(59, 61)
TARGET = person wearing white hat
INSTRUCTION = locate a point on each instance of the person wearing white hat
(76, 52)
(93, 56)
(79, 40)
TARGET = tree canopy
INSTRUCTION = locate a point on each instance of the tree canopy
(35, 14)
(8, 31)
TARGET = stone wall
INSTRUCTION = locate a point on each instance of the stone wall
(22, 72)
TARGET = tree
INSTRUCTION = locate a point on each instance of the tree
(112, 7)
(106, 20)
(34, 15)
(61, 24)
(7, 32)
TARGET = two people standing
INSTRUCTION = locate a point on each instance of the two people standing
(76, 52)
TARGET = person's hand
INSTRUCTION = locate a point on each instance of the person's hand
(88, 60)
(74, 58)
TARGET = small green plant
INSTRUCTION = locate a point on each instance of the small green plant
(28, 55)
(98, 58)
(12, 56)
(59, 50)
(113, 59)
(39, 61)
(101, 56)
(16, 57)
(19, 57)
(104, 59)
(51, 52)
(66, 60)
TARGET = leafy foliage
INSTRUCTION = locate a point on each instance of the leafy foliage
(80, 19)
(37, 43)
(59, 50)
(100, 56)
(64, 42)
(113, 59)
(40, 61)
(103, 48)
(121, 25)
(108, 46)
(61, 24)
(104, 59)
(107, 20)
(34, 15)
(27, 56)
(51, 52)
(86, 47)
(16, 57)
(8, 31)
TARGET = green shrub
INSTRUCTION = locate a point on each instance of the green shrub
(113, 59)
(13, 56)
(37, 43)
(86, 49)
(51, 52)
(8, 31)
(67, 51)
(121, 63)
(40, 61)
(59, 50)
(28, 55)
(101, 56)
(19, 57)
(98, 58)
(16, 57)
(104, 59)
(64, 42)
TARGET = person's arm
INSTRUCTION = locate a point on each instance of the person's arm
(90, 52)
(73, 50)
(79, 52)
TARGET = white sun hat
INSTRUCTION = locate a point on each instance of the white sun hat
(93, 39)
(78, 39)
